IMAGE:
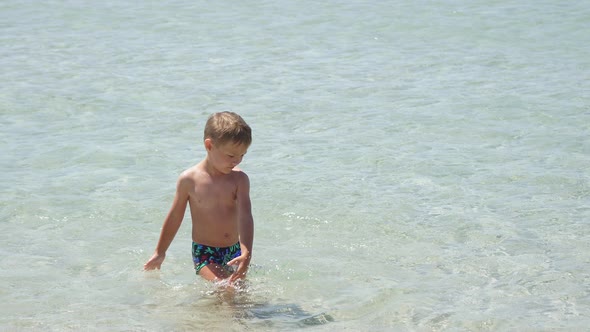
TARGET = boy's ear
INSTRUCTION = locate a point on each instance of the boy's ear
(208, 144)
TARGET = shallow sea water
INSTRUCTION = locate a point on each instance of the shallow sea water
(418, 166)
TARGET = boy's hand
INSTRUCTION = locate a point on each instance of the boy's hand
(155, 262)
(242, 262)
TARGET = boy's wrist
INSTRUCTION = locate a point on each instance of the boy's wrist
(247, 258)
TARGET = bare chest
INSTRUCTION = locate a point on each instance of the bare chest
(213, 194)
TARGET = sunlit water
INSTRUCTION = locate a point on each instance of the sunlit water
(416, 166)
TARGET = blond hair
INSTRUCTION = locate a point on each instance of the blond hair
(224, 127)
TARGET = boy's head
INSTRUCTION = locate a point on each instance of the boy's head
(228, 127)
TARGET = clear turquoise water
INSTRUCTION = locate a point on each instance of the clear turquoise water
(416, 166)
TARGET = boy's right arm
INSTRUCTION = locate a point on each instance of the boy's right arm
(171, 223)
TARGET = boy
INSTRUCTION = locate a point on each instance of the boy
(218, 194)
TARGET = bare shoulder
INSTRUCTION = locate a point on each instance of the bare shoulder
(240, 177)
(239, 174)
(190, 175)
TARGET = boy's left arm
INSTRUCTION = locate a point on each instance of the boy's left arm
(245, 228)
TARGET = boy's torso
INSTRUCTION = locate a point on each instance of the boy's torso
(213, 206)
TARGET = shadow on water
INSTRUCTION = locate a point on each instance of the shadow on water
(250, 310)
(280, 314)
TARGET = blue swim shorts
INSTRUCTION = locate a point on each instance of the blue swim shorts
(203, 255)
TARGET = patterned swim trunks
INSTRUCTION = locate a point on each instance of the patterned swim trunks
(203, 255)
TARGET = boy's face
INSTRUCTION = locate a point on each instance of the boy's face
(224, 157)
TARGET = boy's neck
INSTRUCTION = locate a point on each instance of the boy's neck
(209, 169)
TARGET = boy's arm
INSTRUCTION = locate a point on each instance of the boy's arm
(245, 228)
(171, 223)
